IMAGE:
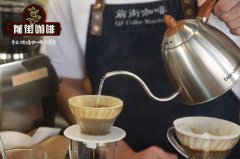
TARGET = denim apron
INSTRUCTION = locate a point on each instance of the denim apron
(131, 40)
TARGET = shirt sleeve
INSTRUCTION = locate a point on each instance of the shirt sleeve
(65, 55)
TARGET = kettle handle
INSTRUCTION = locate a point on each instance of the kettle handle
(206, 9)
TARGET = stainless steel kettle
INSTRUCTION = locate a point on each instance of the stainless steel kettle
(201, 61)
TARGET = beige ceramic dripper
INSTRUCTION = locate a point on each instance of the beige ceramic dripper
(94, 137)
(203, 137)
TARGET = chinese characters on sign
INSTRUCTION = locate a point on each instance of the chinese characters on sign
(32, 42)
(34, 29)
(143, 16)
(137, 13)
(33, 24)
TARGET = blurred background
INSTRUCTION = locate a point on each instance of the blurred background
(28, 81)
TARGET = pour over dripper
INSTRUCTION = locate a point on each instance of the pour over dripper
(94, 137)
(95, 120)
(203, 137)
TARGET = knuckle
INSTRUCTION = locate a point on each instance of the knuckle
(154, 149)
(231, 26)
(222, 7)
(225, 18)
(236, 31)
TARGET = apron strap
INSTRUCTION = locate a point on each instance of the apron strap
(97, 17)
(189, 9)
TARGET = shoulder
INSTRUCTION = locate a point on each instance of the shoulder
(63, 6)
(66, 3)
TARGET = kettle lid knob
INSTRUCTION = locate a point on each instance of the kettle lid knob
(173, 26)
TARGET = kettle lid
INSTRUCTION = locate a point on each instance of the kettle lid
(178, 32)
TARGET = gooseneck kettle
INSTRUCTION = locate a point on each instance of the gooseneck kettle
(201, 61)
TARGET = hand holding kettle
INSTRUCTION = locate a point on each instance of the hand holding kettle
(228, 11)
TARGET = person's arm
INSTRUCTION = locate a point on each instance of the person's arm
(67, 89)
(153, 152)
(66, 56)
(229, 12)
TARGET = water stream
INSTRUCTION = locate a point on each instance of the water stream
(100, 90)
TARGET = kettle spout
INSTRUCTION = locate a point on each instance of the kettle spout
(139, 80)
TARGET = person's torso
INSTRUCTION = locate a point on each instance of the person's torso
(131, 40)
(80, 11)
